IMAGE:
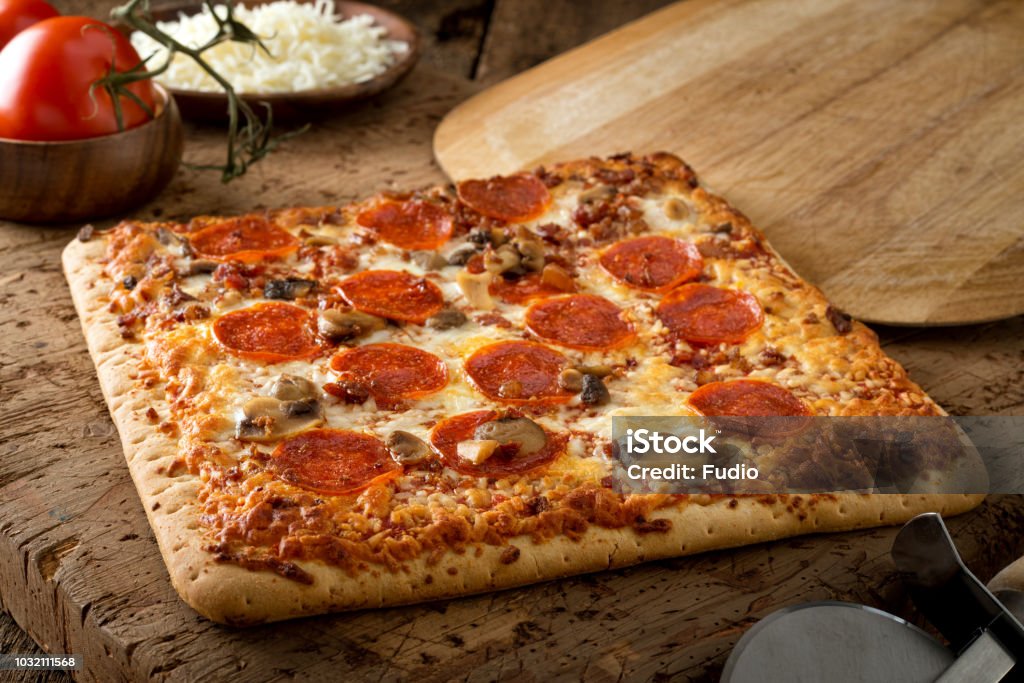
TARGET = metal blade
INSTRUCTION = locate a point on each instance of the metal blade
(835, 641)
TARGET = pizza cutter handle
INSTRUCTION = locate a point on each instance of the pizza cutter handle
(947, 593)
(1008, 587)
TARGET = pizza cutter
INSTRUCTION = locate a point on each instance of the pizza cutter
(842, 642)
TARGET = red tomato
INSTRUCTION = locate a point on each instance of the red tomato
(18, 15)
(45, 75)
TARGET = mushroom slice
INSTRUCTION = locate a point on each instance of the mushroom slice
(504, 259)
(200, 267)
(507, 431)
(406, 448)
(321, 240)
(530, 248)
(571, 380)
(596, 370)
(175, 243)
(292, 388)
(594, 392)
(429, 260)
(337, 326)
(289, 288)
(474, 287)
(476, 451)
(446, 319)
(266, 418)
(597, 193)
(462, 255)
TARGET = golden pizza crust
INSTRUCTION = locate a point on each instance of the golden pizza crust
(229, 593)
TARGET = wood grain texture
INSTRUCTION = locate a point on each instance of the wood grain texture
(523, 33)
(80, 570)
(876, 143)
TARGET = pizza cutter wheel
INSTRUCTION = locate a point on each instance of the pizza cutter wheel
(840, 642)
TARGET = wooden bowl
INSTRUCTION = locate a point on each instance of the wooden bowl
(304, 104)
(62, 182)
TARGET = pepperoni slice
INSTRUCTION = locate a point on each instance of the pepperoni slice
(523, 289)
(271, 332)
(580, 321)
(248, 239)
(652, 263)
(710, 315)
(333, 461)
(518, 372)
(514, 199)
(392, 294)
(411, 224)
(475, 264)
(774, 407)
(392, 371)
(505, 461)
(746, 397)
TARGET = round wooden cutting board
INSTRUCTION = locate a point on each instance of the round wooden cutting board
(878, 144)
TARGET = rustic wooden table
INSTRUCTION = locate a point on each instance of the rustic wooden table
(76, 553)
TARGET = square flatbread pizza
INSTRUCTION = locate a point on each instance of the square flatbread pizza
(410, 397)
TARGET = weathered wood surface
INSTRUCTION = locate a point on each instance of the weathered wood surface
(877, 143)
(80, 570)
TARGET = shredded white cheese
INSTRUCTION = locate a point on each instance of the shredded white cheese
(309, 48)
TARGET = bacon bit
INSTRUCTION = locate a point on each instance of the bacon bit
(552, 233)
(330, 258)
(615, 177)
(509, 555)
(191, 313)
(537, 505)
(705, 377)
(547, 177)
(839, 319)
(589, 214)
(495, 319)
(348, 391)
(236, 275)
(608, 220)
(177, 296)
(736, 248)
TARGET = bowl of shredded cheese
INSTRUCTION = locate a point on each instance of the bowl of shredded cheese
(320, 55)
